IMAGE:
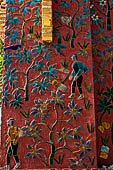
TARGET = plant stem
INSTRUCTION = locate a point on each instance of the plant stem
(100, 120)
(51, 138)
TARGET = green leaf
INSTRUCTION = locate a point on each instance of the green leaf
(88, 128)
(62, 159)
(61, 106)
(90, 88)
(77, 144)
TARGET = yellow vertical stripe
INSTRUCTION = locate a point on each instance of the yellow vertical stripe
(47, 26)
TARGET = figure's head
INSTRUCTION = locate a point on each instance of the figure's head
(10, 122)
(74, 57)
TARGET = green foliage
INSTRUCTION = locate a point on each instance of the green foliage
(67, 38)
(84, 45)
(87, 105)
(90, 129)
(105, 140)
(64, 64)
(109, 93)
(91, 160)
(60, 159)
(38, 35)
(17, 101)
(100, 92)
(30, 29)
(105, 105)
(26, 114)
(88, 89)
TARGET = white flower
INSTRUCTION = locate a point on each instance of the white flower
(66, 19)
(103, 3)
(94, 17)
(91, 6)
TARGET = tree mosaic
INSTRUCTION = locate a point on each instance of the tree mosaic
(103, 77)
(59, 131)
(75, 23)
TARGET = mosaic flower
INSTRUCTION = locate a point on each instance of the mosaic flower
(100, 77)
(73, 110)
(75, 133)
(57, 99)
(103, 3)
(64, 135)
(34, 152)
(104, 58)
(94, 17)
(83, 147)
(32, 130)
(100, 35)
(41, 109)
(110, 53)
(78, 162)
(29, 127)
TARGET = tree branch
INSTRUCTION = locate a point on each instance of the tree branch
(20, 72)
(75, 15)
(35, 78)
(15, 26)
(44, 125)
(18, 88)
(31, 65)
(43, 142)
(67, 121)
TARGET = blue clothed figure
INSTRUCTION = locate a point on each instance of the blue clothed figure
(78, 68)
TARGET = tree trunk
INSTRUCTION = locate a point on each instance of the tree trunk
(51, 158)
(26, 88)
(52, 154)
(72, 40)
(109, 19)
(23, 34)
(26, 92)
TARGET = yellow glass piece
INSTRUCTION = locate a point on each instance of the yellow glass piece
(47, 17)
(47, 26)
(103, 155)
(106, 125)
(46, 2)
(47, 34)
(101, 128)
